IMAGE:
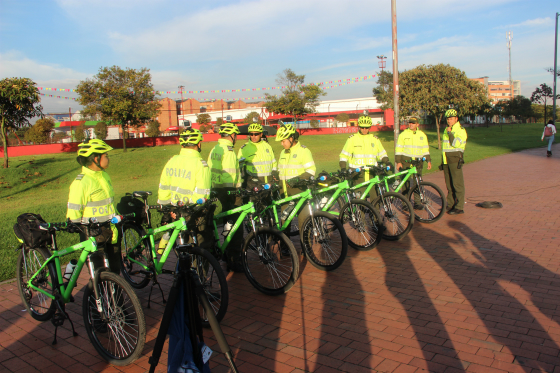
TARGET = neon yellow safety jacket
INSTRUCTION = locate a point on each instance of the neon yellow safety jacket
(295, 162)
(185, 177)
(259, 158)
(224, 166)
(454, 143)
(362, 150)
(91, 196)
(412, 145)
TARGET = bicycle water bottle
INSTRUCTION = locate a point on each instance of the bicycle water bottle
(227, 227)
(396, 184)
(70, 269)
(288, 210)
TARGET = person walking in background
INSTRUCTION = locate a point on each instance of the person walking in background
(548, 133)
(454, 143)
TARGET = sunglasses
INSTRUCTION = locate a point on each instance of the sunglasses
(254, 134)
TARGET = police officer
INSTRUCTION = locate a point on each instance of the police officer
(412, 144)
(186, 178)
(454, 143)
(226, 177)
(259, 158)
(363, 149)
(91, 196)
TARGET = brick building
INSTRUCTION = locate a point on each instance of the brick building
(167, 116)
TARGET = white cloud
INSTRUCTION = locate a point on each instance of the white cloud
(537, 22)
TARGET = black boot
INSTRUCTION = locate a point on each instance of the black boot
(548, 153)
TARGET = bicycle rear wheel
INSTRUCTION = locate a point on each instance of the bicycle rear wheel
(213, 282)
(37, 304)
(270, 261)
(120, 334)
(396, 214)
(324, 241)
(134, 248)
(432, 202)
(362, 224)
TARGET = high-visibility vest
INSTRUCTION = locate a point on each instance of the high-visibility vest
(224, 165)
(91, 196)
(295, 161)
(259, 158)
(459, 140)
(185, 177)
(362, 150)
(412, 144)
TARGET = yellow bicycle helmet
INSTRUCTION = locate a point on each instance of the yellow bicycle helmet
(190, 137)
(88, 147)
(229, 129)
(364, 122)
(285, 132)
(451, 113)
(255, 127)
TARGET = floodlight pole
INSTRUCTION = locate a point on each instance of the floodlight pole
(395, 71)
(555, 70)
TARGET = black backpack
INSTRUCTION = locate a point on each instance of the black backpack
(129, 204)
(27, 229)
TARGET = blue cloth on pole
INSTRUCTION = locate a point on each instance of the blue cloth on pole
(180, 355)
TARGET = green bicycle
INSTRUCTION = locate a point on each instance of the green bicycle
(112, 313)
(140, 263)
(324, 241)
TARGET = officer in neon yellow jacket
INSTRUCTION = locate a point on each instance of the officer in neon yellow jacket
(91, 196)
(412, 144)
(186, 178)
(363, 149)
(226, 177)
(454, 142)
(259, 158)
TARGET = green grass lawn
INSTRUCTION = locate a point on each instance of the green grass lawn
(40, 183)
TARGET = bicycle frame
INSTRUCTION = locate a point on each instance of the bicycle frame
(246, 209)
(303, 197)
(87, 247)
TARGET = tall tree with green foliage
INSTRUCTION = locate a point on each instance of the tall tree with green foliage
(519, 106)
(203, 118)
(123, 96)
(100, 130)
(40, 132)
(153, 129)
(342, 118)
(383, 93)
(297, 99)
(541, 95)
(80, 133)
(433, 89)
(19, 102)
(249, 117)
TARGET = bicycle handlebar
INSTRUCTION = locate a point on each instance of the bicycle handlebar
(70, 226)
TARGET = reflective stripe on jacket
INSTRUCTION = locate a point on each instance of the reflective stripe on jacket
(185, 177)
(259, 158)
(362, 150)
(295, 161)
(91, 196)
(224, 165)
(412, 145)
(454, 143)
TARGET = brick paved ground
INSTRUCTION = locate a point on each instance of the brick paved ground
(477, 293)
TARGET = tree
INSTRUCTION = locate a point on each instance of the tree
(541, 95)
(80, 133)
(432, 90)
(40, 132)
(342, 118)
(314, 123)
(19, 102)
(249, 117)
(153, 129)
(297, 99)
(383, 93)
(519, 106)
(551, 70)
(219, 121)
(100, 130)
(203, 118)
(122, 96)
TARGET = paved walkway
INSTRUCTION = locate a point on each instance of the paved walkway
(474, 293)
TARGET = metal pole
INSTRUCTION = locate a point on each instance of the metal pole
(395, 71)
(555, 70)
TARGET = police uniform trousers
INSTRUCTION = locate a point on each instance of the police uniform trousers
(373, 192)
(112, 250)
(455, 186)
(229, 202)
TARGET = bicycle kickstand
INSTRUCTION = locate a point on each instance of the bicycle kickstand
(155, 282)
(58, 320)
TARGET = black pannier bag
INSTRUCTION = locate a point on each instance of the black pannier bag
(129, 204)
(27, 229)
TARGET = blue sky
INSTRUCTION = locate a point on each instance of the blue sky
(214, 45)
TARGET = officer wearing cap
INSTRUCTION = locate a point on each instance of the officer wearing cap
(186, 178)
(454, 143)
(412, 144)
(91, 196)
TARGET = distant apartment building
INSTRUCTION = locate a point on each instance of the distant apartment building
(500, 90)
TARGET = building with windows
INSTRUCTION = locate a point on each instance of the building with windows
(500, 90)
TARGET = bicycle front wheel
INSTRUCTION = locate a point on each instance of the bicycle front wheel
(118, 332)
(396, 214)
(362, 224)
(324, 241)
(133, 251)
(270, 261)
(429, 202)
(37, 304)
(213, 282)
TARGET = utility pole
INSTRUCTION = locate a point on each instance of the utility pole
(70, 121)
(555, 70)
(181, 106)
(395, 71)
(509, 37)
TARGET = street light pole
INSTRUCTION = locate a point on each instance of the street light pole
(181, 106)
(395, 71)
(555, 70)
